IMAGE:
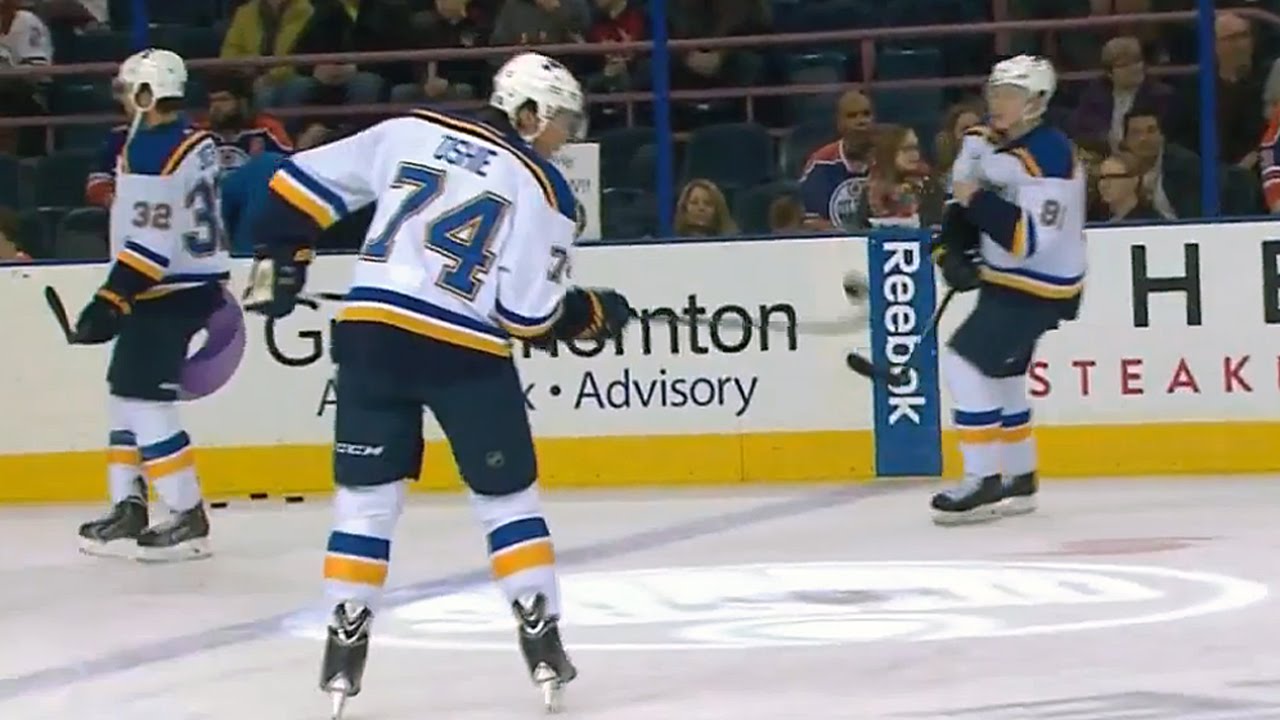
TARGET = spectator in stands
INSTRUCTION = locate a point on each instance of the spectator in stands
(450, 24)
(702, 211)
(24, 41)
(344, 26)
(1269, 161)
(540, 22)
(1170, 173)
(1240, 114)
(1120, 188)
(946, 144)
(1106, 101)
(74, 14)
(242, 132)
(698, 69)
(1090, 152)
(619, 21)
(834, 181)
(786, 215)
(267, 28)
(897, 188)
(9, 250)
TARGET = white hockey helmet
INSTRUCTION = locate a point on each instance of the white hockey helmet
(1033, 74)
(534, 77)
(162, 72)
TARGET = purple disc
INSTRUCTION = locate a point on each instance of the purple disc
(216, 361)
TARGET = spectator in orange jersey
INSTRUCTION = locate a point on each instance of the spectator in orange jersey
(242, 132)
(834, 181)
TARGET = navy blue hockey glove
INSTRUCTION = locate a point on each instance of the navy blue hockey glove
(588, 314)
(959, 267)
(610, 313)
(275, 282)
(101, 319)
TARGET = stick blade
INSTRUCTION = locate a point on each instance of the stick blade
(863, 366)
(52, 299)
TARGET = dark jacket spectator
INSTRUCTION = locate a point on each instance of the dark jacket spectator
(1105, 102)
(541, 22)
(450, 24)
(1240, 113)
(1170, 173)
(618, 21)
(360, 26)
(713, 19)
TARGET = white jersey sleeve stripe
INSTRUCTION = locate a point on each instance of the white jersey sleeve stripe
(307, 195)
(371, 304)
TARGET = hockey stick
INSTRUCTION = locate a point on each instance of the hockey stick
(894, 375)
(855, 291)
(59, 311)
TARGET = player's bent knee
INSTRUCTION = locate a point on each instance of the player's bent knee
(371, 510)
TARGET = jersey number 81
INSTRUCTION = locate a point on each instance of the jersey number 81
(461, 234)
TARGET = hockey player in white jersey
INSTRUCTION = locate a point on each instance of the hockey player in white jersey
(166, 280)
(470, 246)
(1015, 233)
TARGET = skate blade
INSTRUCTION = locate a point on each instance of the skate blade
(122, 549)
(976, 516)
(182, 552)
(1021, 505)
(552, 687)
(552, 696)
(338, 698)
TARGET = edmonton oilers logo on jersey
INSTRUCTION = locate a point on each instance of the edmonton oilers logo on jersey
(211, 367)
(231, 157)
(845, 206)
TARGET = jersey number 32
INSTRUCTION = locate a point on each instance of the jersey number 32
(462, 234)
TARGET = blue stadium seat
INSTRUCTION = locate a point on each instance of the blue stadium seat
(732, 155)
(82, 234)
(751, 207)
(187, 41)
(618, 148)
(919, 108)
(193, 13)
(627, 214)
(813, 69)
(60, 178)
(10, 182)
(799, 144)
(97, 46)
(81, 98)
(36, 231)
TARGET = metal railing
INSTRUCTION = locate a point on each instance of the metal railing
(866, 40)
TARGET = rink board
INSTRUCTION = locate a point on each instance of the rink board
(1173, 367)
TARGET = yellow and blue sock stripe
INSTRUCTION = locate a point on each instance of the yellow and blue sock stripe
(357, 559)
(171, 455)
(520, 545)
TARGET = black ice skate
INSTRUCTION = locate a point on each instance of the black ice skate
(975, 500)
(345, 653)
(1019, 494)
(114, 534)
(549, 666)
(185, 536)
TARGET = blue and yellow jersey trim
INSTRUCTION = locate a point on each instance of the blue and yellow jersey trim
(308, 195)
(1024, 241)
(1030, 282)
(143, 259)
(1045, 152)
(523, 326)
(549, 178)
(162, 150)
(377, 305)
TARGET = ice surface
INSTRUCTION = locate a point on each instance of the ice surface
(1119, 599)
